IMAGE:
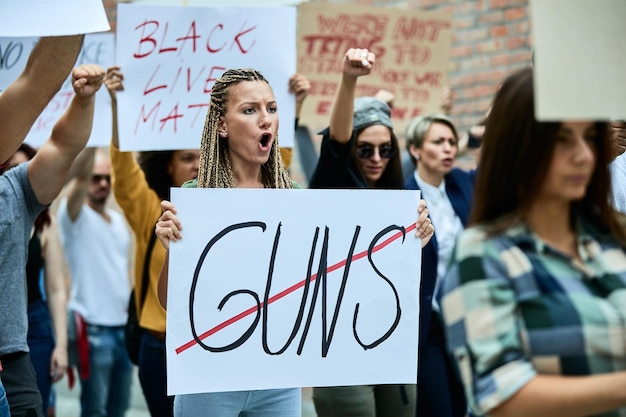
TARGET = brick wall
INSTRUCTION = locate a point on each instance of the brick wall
(491, 39)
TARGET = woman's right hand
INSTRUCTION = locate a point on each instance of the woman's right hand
(168, 227)
(358, 62)
(114, 80)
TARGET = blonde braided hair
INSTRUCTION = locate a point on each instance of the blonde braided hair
(215, 170)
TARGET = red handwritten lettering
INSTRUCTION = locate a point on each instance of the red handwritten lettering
(147, 90)
(180, 69)
(416, 112)
(431, 78)
(395, 77)
(208, 46)
(215, 41)
(173, 115)
(190, 83)
(212, 78)
(241, 33)
(167, 49)
(44, 123)
(323, 107)
(413, 94)
(416, 29)
(202, 109)
(398, 112)
(149, 114)
(332, 45)
(348, 24)
(143, 117)
(411, 54)
(191, 34)
(146, 38)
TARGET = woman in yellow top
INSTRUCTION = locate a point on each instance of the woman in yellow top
(139, 187)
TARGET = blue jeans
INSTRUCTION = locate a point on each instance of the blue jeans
(106, 392)
(265, 403)
(4, 404)
(41, 344)
(153, 376)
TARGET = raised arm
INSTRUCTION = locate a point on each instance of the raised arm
(299, 85)
(21, 103)
(48, 170)
(356, 62)
(80, 175)
(114, 83)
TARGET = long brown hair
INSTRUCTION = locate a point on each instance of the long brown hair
(214, 169)
(515, 158)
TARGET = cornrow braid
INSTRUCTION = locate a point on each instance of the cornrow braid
(215, 169)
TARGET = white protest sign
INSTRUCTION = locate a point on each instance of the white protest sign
(51, 18)
(354, 322)
(579, 59)
(171, 57)
(98, 48)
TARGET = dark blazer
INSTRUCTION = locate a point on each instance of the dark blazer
(460, 191)
(439, 387)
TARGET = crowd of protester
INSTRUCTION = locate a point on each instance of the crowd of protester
(523, 276)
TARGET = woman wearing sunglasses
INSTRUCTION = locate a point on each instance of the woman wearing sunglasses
(360, 150)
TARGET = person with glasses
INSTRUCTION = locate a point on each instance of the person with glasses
(96, 240)
(360, 150)
(433, 144)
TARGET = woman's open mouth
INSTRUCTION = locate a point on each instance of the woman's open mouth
(265, 140)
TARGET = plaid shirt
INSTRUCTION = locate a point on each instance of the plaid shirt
(515, 307)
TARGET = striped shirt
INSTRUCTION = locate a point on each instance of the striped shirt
(514, 307)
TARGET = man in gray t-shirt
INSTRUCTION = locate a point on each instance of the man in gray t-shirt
(24, 192)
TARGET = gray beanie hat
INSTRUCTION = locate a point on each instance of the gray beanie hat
(369, 111)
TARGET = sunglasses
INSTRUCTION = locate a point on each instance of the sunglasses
(367, 151)
(97, 178)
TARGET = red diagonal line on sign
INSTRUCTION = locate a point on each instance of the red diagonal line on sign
(287, 291)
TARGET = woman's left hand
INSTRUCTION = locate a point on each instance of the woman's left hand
(424, 228)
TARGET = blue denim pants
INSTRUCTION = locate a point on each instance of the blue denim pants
(153, 376)
(106, 392)
(264, 403)
(4, 404)
(41, 343)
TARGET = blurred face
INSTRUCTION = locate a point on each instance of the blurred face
(17, 158)
(573, 163)
(183, 166)
(250, 123)
(100, 184)
(436, 156)
(373, 151)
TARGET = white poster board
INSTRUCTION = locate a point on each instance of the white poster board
(579, 59)
(51, 18)
(350, 242)
(98, 48)
(171, 57)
